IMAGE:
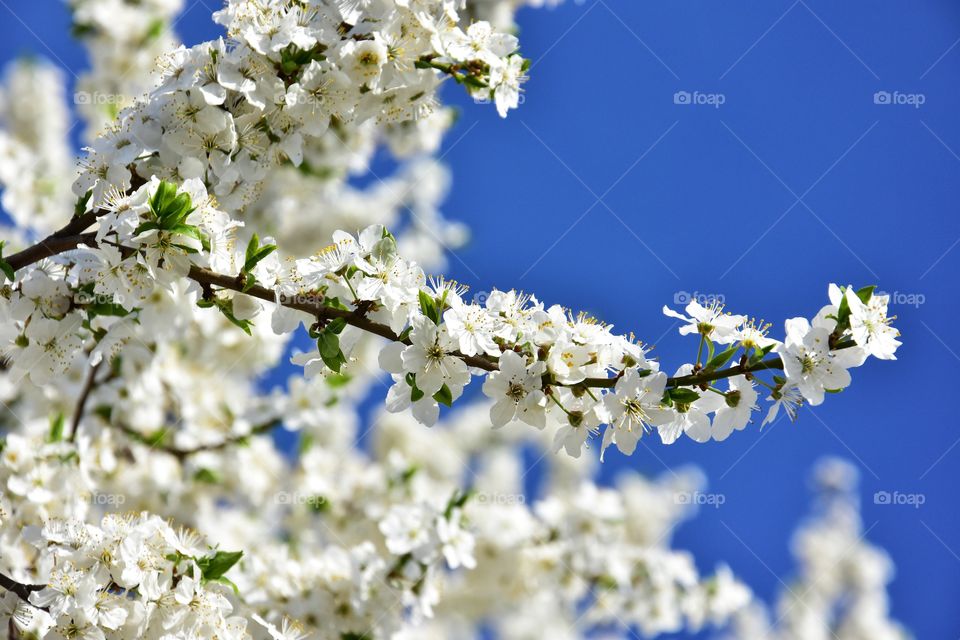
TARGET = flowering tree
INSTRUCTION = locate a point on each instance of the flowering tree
(144, 495)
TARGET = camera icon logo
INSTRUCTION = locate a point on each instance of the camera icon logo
(681, 97)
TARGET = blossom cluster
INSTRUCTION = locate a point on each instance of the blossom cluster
(227, 111)
(342, 543)
(536, 360)
(124, 41)
(36, 163)
(133, 340)
(840, 589)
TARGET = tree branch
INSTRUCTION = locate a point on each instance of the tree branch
(314, 306)
(181, 453)
(88, 386)
(20, 589)
(57, 242)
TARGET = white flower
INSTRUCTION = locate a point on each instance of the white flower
(710, 322)
(289, 630)
(323, 91)
(633, 407)
(52, 347)
(870, 325)
(516, 391)
(480, 42)
(363, 61)
(506, 78)
(456, 542)
(691, 418)
(808, 362)
(788, 396)
(472, 327)
(407, 529)
(430, 358)
(580, 419)
(739, 403)
(567, 360)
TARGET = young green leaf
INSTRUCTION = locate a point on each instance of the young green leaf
(682, 395)
(722, 358)
(213, 567)
(444, 396)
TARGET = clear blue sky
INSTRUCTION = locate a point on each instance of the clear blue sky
(602, 193)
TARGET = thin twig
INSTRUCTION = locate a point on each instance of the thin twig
(88, 385)
(183, 453)
(313, 305)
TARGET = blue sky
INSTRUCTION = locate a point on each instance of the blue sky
(751, 150)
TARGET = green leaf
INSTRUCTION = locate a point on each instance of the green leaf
(866, 293)
(56, 429)
(164, 194)
(337, 325)
(80, 207)
(457, 500)
(169, 207)
(249, 282)
(444, 396)
(334, 303)
(213, 567)
(415, 392)
(722, 358)
(759, 354)
(843, 314)
(206, 476)
(229, 583)
(429, 307)
(226, 308)
(104, 411)
(7, 270)
(683, 395)
(337, 380)
(145, 226)
(328, 344)
(154, 31)
(107, 309)
(255, 253)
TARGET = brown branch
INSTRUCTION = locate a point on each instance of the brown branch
(88, 386)
(57, 242)
(314, 306)
(182, 453)
(18, 588)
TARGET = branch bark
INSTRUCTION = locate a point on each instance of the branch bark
(18, 588)
(313, 305)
